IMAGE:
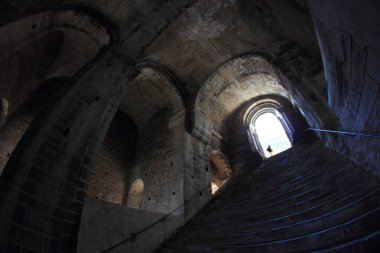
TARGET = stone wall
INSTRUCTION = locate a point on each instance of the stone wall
(175, 169)
(12, 133)
(45, 181)
(241, 150)
(43, 187)
(104, 225)
(197, 178)
(156, 164)
(111, 173)
(46, 45)
(348, 34)
(17, 124)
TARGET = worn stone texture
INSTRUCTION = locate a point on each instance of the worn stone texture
(350, 53)
(186, 73)
(112, 168)
(42, 46)
(157, 165)
(289, 206)
(12, 133)
(104, 225)
(65, 139)
(154, 90)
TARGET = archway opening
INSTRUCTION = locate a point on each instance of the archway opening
(136, 194)
(112, 167)
(214, 188)
(271, 134)
(221, 170)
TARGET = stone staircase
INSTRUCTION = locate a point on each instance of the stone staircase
(305, 199)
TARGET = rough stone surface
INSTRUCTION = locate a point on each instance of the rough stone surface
(112, 168)
(42, 46)
(350, 53)
(12, 133)
(289, 206)
(157, 165)
(153, 90)
(104, 225)
(17, 125)
(51, 196)
(187, 73)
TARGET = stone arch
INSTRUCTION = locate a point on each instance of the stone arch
(155, 103)
(169, 74)
(27, 41)
(258, 131)
(70, 132)
(136, 194)
(239, 80)
(155, 90)
(156, 107)
(263, 105)
(176, 81)
(16, 125)
(45, 45)
(233, 84)
(295, 121)
(158, 163)
(237, 132)
(112, 167)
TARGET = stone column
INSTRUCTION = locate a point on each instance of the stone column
(197, 185)
(44, 184)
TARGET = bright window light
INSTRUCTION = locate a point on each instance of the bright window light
(271, 133)
(214, 188)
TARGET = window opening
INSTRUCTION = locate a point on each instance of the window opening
(214, 188)
(136, 194)
(271, 134)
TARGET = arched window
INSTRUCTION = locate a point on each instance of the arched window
(214, 188)
(271, 134)
(269, 130)
(136, 194)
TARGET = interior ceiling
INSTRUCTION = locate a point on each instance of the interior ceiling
(149, 93)
(36, 47)
(203, 33)
(235, 83)
(191, 38)
(254, 86)
(212, 32)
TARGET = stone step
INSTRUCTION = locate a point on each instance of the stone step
(365, 244)
(295, 214)
(292, 188)
(282, 202)
(350, 230)
(290, 228)
(306, 198)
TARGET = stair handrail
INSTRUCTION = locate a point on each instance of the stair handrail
(344, 132)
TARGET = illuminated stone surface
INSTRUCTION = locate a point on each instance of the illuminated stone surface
(97, 94)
